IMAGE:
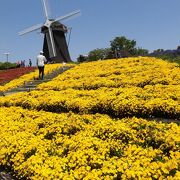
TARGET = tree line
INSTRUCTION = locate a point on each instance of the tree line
(120, 47)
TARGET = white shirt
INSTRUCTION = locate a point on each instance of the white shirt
(41, 60)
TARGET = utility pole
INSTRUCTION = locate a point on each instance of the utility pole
(7, 56)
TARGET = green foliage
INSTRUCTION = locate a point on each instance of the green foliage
(120, 47)
(7, 65)
(170, 58)
(81, 59)
(168, 55)
(123, 44)
(99, 54)
(123, 47)
(96, 55)
(140, 51)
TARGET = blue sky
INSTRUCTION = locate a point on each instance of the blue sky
(153, 24)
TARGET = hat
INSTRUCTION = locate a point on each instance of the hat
(41, 52)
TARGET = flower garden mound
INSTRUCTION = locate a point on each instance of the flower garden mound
(141, 87)
(43, 145)
(90, 123)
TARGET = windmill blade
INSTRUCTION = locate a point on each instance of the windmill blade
(45, 8)
(53, 48)
(30, 29)
(69, 29)
(49, 44)
(61, 18)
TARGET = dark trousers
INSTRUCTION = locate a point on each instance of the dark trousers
(41, 72)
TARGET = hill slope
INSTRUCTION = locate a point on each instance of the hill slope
(142, 87)
(94, 134)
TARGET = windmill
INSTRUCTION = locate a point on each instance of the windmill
(55, 46)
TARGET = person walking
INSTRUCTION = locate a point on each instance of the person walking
(41, 60)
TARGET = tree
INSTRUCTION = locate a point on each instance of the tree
(141, 52)
(158, 51)
(120, 47)
(108, 54)
(122, 44)
(81, 58)
(98, 54)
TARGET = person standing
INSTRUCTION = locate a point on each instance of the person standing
(30, 63)
(41, 60)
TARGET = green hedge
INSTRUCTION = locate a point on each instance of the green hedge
(7, 65)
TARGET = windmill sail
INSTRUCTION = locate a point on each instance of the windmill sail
(74, 13)
(49, 45)
(45, 9)
(30, 29)
(51, 36)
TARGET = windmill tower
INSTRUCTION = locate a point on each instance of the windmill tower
(55, 46)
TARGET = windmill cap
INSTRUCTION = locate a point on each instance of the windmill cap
(41, 52)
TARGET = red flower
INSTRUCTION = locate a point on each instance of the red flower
(10, 74)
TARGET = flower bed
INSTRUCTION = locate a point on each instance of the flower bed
(87, 143)
(28, 77)
(10, 74)
(140, 93)
(42, 145)
(126, 72)
(156, 101)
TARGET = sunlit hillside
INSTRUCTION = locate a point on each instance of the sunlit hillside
(112, 119)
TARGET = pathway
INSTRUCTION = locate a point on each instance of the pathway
(29, 86)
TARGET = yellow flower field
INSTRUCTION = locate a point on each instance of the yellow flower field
(43, 145)
(91, 123)
(142, 87)
(139, 72)
(121, 102)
